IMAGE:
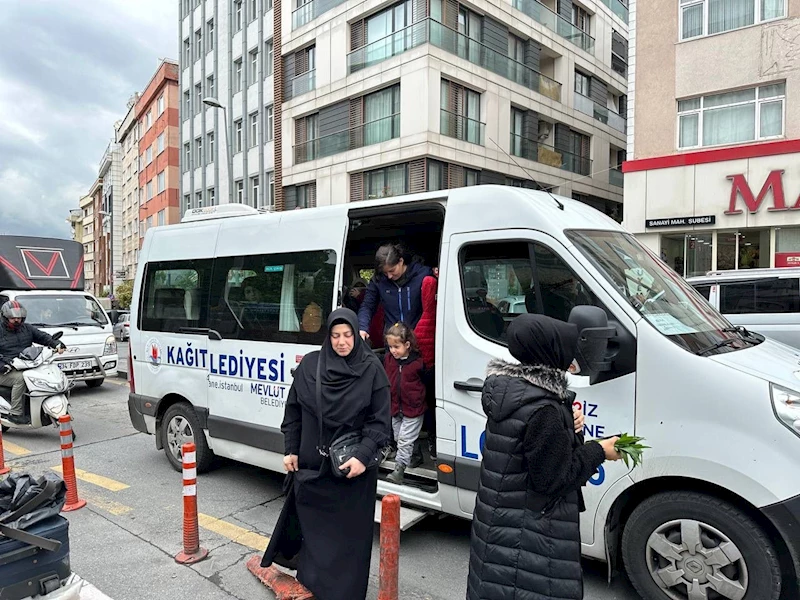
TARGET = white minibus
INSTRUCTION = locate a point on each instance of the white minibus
(713, 512)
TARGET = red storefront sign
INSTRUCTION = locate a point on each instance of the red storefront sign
(787, 259)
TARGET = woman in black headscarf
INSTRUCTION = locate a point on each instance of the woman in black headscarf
(326, 526)
(525, 531)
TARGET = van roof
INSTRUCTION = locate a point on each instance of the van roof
(744, 274)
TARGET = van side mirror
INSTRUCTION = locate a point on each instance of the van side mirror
(594, 332)
(58, 335)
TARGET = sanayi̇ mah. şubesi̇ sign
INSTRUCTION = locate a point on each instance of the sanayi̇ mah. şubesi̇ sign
(681, 221)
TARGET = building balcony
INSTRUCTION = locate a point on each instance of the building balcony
(615, 177)
(589, 107)
(387, 47)
(374, 132)
(461, 127)
(303, 83)
(105, 162)
(556, 23)
(550, 156)
(618, 8)
(307, 12)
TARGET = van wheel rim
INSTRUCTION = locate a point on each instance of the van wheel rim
(690, 560)
(179, 432)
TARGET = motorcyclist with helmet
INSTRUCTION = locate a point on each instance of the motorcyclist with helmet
(15, 336)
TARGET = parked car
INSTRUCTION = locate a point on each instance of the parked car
(766, 301)
(122, 329)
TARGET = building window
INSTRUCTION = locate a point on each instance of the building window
(517, 121)
(253, 66)
(271, 188)
(161, 104)
(707, 17)
(187, 53)
(187, 156)
(198, 44)
(270, 132)
(582, 84)
(253, 12)
(187, 203)
(471, 177)
(237, 136)
(382, 115)
(270, 58)
(162, 181)
(210, 35)
(267, 5)
(149, 223)
(436, 176)
(148, 120)
(198, 199)
(237, 15)
(162, 218)
(150, 189)
(461, 113)
(387, 182)
(160, 142)
(732, 117)
(581, 19)
(198, 151)
(210, 88)
(240, 191)
(254, 130)
(187, 105)
(148, 155)
(198, 92)
(212, 196)
(254, 199)
(210, 147)
(237, 75)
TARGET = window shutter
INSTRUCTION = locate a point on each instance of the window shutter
(300, 133)
(312, 195)
(416, 176)
(301, 61)
(455, 177)
(419, 10)
(289, 198)
(358, 35)
(356, 122)
(450, 16)
(356, 187)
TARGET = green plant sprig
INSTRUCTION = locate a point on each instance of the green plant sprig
(630, 449)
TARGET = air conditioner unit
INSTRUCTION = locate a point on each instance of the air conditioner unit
(545, 128)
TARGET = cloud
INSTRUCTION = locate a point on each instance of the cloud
(67, 70)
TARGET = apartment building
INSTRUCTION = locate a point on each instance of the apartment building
(97, 260)
(127, 136)
(86, 205)
(345, 101)
(713, 139)
(158, 150)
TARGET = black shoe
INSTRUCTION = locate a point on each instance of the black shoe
(416, 457)
(397, 475)
(18, 420)
(432, 447)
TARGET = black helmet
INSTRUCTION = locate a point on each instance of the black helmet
(12, 310)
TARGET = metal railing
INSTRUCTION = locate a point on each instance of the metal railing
(387, 47)
(589, 107)
(479, 54)
(303, 83)
(550, 156)
(615, 177)
(461, 127)
(305, 13)
(556, 23)
(618, 8)
(374, 132)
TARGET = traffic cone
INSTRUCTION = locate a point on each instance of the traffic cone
(68, 465)
(283, 585)
(192, 552)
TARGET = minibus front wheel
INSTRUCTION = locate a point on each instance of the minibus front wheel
(179, 426)
(685, 545)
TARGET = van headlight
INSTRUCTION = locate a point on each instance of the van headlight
(786, 404)
(111, 346)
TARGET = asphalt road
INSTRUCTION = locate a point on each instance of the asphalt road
(125, 539)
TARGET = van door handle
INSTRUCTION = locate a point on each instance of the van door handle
(194, 330)
(468, 387)
(215, 335)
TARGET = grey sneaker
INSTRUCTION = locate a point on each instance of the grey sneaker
(397, 475)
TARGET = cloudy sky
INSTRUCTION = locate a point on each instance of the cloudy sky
(67, 70)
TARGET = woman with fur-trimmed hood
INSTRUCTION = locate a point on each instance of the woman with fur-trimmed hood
(525, 529)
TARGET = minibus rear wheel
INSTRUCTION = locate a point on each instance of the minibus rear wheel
(682, 545)
(179, 426)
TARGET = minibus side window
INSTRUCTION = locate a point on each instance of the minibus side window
(498, 284)
(704, 290)
(174, 295)
(273, 297)
(765, 296)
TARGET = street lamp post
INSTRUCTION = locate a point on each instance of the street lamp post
(214, 103)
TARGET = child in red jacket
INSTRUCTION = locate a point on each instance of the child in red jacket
(406, 373)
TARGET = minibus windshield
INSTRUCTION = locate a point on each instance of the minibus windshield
(659, 294)
(69, 310)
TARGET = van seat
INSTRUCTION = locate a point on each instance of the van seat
(170, 303)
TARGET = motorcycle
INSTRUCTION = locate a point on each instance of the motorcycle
(47, 395)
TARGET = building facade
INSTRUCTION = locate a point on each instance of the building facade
(88, 237)
(158, 150)
(344, 101)
(127, 137)
(101, 257)
(713, 139)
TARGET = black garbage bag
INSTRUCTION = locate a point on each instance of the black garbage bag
(25, 499)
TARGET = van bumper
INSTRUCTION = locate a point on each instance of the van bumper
(785, 516)
(138, 408)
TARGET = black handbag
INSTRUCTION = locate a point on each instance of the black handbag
(344, 447)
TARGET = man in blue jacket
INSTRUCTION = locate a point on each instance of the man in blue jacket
(397, 285)
(15, 336)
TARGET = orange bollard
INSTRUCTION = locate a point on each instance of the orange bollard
(192, 552)
(390, 548)
(3, 468)
(284, 586)
(68, 465)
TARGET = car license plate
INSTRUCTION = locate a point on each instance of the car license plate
(75, 365)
